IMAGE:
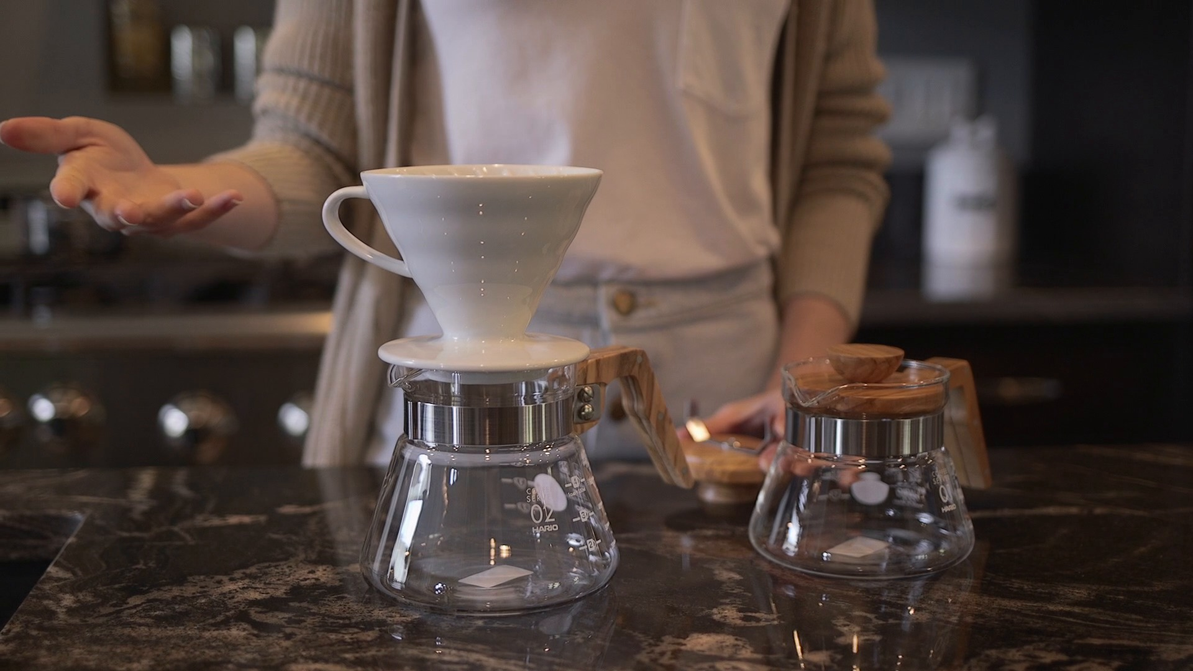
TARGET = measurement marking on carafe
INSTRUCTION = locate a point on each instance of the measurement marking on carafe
(583, 515)
(575, 486)
(910, 496)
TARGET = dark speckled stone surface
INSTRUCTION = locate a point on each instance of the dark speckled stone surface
(1084, 561)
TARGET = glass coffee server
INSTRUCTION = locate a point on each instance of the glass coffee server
(489, 505)
(864, 486)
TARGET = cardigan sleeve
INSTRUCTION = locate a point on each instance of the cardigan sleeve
(304, 132)
(841, 194)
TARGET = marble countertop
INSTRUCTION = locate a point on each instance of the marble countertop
(1084, 561)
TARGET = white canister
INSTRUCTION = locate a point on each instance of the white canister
(970, 198)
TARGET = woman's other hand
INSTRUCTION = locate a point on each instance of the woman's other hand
(762, 415)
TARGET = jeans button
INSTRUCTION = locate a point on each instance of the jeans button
(624, 302)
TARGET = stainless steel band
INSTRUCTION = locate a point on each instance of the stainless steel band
(876, 438)
(514, 425)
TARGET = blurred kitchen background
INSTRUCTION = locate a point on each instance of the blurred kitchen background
(1057, 255)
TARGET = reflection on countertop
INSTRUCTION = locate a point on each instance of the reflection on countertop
(1081, 562)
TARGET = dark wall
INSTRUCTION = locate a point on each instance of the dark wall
(1106, 202)
(1098, 93)
(993, 34)
(1110, 173)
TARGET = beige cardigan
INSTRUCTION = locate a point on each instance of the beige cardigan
(330, 103)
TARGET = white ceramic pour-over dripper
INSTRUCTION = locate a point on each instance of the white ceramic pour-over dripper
(482, 242)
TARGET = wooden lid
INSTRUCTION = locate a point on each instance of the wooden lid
(710, 463)
(859, 362)
(867, 381)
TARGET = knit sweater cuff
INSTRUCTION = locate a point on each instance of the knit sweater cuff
(299, 189)
(827, 251)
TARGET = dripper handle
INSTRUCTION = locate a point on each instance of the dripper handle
(645, 406)
(331, 220)
(963, 436)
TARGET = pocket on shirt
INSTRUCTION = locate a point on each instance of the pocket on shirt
(726, 51)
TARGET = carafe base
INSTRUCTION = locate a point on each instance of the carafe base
(463, 586)
(897, 554)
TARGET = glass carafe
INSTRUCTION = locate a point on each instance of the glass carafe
(489, 504)
(863, 485)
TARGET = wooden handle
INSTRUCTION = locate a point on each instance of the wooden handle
(644, 405)
(963, 436)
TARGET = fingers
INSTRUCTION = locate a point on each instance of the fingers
(847, 475)
(43, 135)
(731, 417)
(70, 187)
(797, 461)
(179, 213)
(767, 456)
(753, 415)
(162, 213)
(103, 216)
(207, 213)
(778, 425)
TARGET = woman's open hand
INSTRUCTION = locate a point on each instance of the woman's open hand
(102, 169)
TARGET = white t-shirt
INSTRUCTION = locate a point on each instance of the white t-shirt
(671, 98)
